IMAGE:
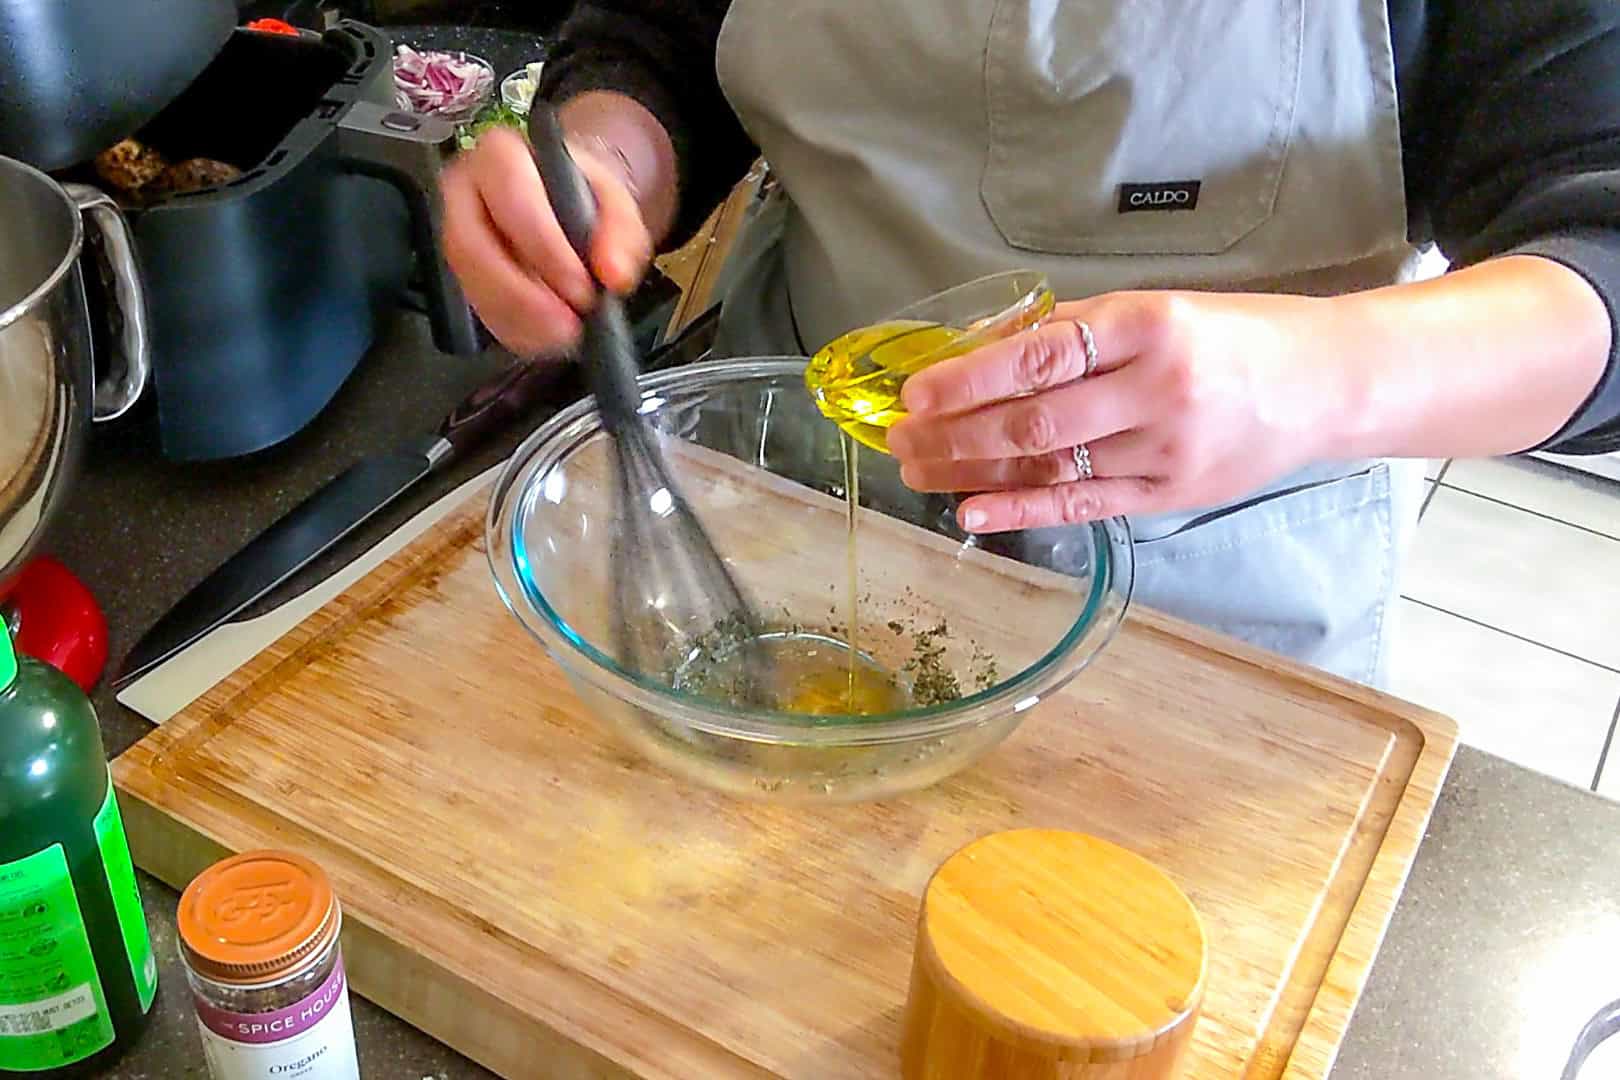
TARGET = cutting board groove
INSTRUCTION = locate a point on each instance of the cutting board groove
(522, 888)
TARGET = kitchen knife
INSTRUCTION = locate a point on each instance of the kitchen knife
(334, 511)
(350, 499)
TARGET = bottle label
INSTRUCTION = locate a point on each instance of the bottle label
(311, 1039)
(126, 895)
(52, 1012)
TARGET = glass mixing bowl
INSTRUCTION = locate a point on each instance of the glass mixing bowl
(973, 638)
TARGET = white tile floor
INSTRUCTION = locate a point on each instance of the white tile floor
(1511, 617)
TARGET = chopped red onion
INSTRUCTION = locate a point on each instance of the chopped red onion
(441, 83)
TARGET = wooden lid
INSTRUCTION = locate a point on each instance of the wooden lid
(1063, 944)
(256, 916)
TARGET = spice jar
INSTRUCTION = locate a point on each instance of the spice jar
(259, 937)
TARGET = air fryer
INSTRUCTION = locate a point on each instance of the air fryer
(265, 291)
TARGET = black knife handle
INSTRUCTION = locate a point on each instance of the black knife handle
(501, 402)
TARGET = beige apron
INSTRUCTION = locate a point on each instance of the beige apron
(1112, 144)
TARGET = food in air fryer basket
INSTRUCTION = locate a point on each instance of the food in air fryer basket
(139, 173)
(129, 166)
(193, 174)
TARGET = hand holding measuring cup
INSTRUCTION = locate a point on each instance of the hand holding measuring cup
(1127, 403)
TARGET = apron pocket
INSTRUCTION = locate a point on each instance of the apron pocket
(1307, 571)
(1153, 127)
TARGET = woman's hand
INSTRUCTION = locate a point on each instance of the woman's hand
(1194, 398)
(504, 245)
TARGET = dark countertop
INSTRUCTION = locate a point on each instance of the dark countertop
(1502, 945)
(1500, 949)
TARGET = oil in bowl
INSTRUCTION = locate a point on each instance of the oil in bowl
(810, 674)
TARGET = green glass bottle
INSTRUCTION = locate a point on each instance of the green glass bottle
(77, 975)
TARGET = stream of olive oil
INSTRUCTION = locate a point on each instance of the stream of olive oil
(852, 613)
(856, 383)
(806, 677)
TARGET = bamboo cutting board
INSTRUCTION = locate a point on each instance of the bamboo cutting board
(522, 888)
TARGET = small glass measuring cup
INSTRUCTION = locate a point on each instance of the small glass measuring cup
(856, 380)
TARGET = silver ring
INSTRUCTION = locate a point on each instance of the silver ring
(1082, 461)
(1091, 348)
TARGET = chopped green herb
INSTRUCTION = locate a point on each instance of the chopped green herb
(497, 114)
(932, 682)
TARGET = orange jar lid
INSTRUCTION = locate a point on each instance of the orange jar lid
(256, 916)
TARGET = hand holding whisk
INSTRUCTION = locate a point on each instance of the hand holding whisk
(673, 596)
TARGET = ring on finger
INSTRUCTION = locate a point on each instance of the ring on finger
(1090, 341)
(1082, 461)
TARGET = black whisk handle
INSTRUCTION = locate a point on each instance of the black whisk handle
(571, 197)
(609, 346)
(610, 343)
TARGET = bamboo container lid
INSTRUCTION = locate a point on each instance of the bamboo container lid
(1049, 954)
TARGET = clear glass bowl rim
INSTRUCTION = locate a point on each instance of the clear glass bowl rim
(559, 436)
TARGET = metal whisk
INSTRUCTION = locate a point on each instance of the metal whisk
(676, 606)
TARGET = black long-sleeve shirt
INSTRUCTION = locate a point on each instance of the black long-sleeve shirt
(1510, 131)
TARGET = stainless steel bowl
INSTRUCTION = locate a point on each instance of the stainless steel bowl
(48, 387)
